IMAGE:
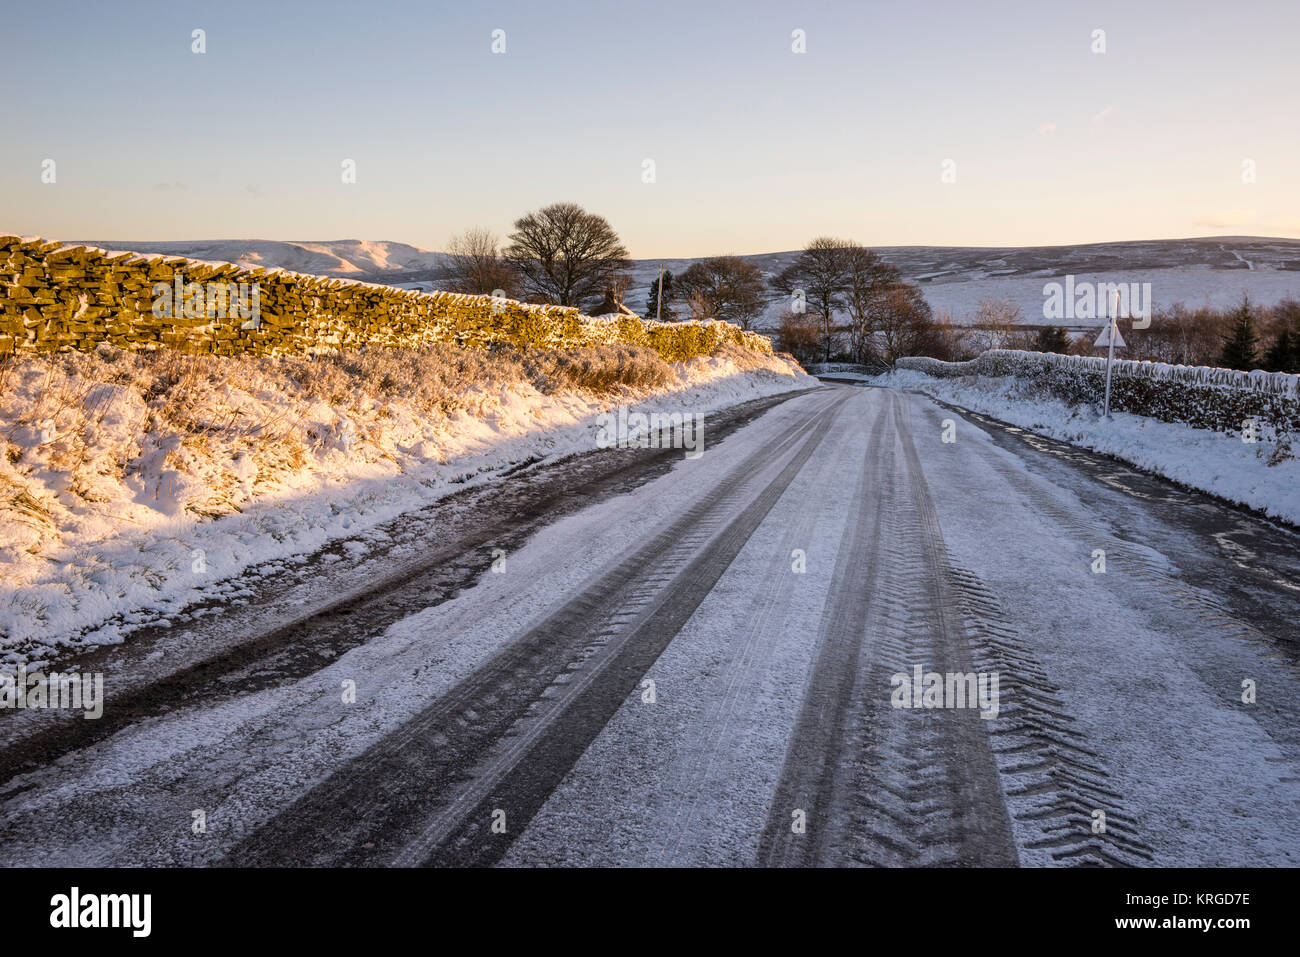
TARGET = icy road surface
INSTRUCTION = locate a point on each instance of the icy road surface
(633, 658)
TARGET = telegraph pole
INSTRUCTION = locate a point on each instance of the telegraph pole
(659, 299)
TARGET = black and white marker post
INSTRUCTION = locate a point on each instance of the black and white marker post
(1109, 337)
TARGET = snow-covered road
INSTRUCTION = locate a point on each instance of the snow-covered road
(644, 659)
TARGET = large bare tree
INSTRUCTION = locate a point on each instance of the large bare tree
(475, 265)
(724, 287)
(819, 278)
(868, 284)
(566, 255)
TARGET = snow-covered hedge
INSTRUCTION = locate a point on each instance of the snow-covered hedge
(1219, 399)
(58, 298)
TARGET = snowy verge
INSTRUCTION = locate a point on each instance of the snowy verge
(133, 522)
(1222, 465)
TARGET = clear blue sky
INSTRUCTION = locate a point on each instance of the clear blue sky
(755, 148)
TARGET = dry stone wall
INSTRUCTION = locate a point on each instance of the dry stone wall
(58, 298)
(1203, 397)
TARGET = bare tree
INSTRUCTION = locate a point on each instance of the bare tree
(724, 287)
(566, 255)
(620, 284)
(1178, 335)
(997, 323)
(819, 277)
(950, 339)
(906, 325)
(474, 265)
(869, 280)
(799, 334)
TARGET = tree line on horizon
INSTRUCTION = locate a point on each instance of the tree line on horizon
(567, 256)
(843, 303)
(564, 255)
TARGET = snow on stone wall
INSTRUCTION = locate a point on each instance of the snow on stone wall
(1219, 399)
(62, 298)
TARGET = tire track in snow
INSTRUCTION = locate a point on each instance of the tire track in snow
(243, 652)
(807, 782)
(851, 751)
(981, 828)
(1141, 572)
(442, 760)
(528, 771)
(706, 737)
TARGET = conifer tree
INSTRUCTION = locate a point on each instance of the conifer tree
(1055, 339)
(652, 304)
(1240, 343)
(1284, 354)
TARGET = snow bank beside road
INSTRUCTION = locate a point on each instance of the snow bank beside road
(1222, 465)
(133, 517)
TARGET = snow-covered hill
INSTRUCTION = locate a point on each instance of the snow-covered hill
(1194, 272)
(349, 258)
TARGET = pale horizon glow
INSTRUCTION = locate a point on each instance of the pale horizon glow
(756, 149)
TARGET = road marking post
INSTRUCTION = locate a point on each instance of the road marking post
(1107, 338)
